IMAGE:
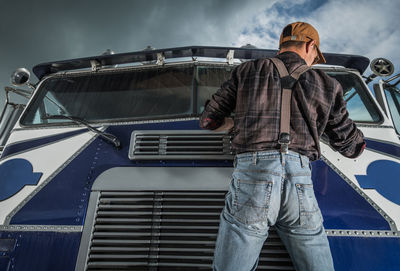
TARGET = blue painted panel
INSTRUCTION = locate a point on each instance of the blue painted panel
(4, 263)
(14, 175)
(7, 245)
(365, 254)
(383, 176)
(43, 251)
(388, 148)
(64, 200)
(342, 207)
(35, 143)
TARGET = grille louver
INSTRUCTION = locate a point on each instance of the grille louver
(165, 231)
(196, 144)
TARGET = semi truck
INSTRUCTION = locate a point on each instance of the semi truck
(105, 167)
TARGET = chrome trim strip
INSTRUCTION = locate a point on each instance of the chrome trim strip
(362, 233)
(41, 228)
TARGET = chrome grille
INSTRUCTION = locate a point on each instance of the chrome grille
(165, 231)
(196, 144)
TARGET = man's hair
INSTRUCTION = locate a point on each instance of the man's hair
(292, 43)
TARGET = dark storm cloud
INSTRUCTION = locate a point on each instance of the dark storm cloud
(39, 31)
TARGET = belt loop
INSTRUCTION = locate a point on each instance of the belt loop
(234, 161)
(302, 161)
(255, 158)
(282, 158)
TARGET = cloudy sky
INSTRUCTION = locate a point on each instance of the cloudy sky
(39, 31)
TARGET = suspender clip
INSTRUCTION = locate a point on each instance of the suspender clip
(284, 141)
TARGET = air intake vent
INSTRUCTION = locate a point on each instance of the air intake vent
(165, 231)
(176, 144)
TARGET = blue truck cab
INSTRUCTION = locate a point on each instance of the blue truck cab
(105, 167)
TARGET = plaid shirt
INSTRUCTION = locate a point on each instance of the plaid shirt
(254, 93)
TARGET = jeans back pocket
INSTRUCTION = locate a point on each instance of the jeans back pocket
(251, 200)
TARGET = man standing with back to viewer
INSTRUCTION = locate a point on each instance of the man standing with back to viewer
(281, 109)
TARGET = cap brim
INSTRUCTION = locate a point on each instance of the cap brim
(321, 57)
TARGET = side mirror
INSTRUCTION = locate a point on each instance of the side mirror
(20, 77)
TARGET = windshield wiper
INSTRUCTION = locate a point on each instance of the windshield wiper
(107, 136)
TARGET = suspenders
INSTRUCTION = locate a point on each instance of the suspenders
(287, 82)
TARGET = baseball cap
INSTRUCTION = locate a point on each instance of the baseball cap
(301, 31)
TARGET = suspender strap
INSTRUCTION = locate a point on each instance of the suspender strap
(299, 71)
(283, 72)
(287, 82)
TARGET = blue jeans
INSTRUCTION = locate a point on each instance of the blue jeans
(271, 189)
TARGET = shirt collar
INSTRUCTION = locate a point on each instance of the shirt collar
(291, 59)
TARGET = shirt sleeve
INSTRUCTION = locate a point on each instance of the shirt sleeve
(343, 134)
(221, 104)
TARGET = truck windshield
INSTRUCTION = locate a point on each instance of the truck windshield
(359, 103)
(101, 96)
(156, 92)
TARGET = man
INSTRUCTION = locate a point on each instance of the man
(272, 186)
